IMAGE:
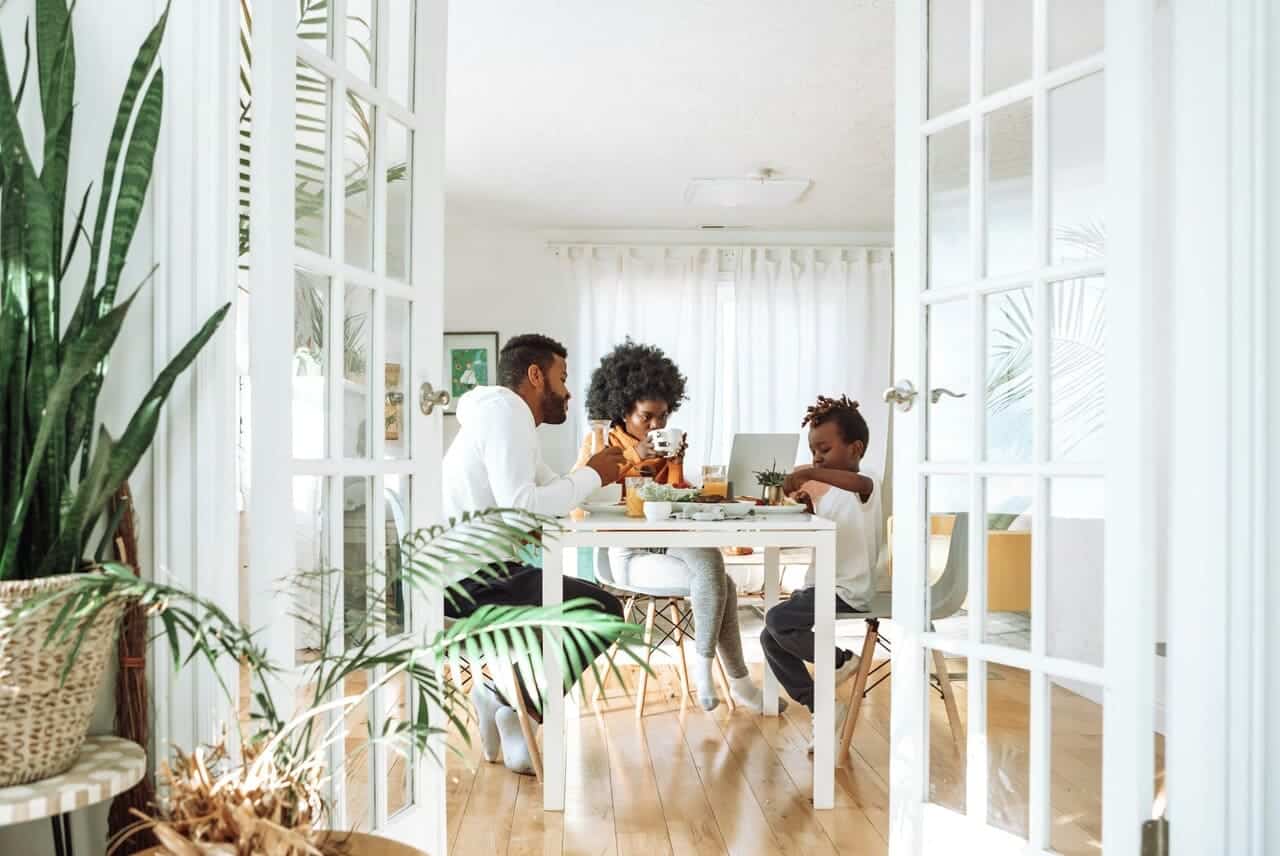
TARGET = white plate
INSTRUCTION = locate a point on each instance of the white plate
(605, 508)
(781, 509)
(731, 509)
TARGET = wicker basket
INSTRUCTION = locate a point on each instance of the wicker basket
(43, 720)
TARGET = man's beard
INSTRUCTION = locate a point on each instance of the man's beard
(555, 410)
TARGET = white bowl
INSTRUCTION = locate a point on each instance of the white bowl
(655, 511)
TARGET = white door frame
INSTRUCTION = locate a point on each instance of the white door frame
(194, 523)
(1224, 689)
(274, 257)
(1129, 555)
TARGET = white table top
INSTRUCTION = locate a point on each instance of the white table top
(609, 522)
(107, 766)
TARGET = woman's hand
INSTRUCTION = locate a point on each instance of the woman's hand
(646, 451)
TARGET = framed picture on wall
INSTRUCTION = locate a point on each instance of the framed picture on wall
(471, 359)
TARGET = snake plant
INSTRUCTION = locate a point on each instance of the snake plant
(61, 467)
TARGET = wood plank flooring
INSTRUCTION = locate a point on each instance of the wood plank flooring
(688, 782)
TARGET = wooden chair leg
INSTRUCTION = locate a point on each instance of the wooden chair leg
(686, 682)
(650, 615)
(949, 699)
(859, 688)
(603, 684)
(526, 723)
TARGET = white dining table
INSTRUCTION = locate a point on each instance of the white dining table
(767, 532)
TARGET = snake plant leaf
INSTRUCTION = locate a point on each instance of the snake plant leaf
(78, 360)
(14, 328)
(26, 64)
(56, 64)
(92, 494)
(135, 177)
(92, 301)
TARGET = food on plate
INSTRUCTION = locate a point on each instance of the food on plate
(579, 514)
(654, 492)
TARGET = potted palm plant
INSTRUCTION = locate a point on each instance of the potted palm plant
(60, 466)
(267, 797)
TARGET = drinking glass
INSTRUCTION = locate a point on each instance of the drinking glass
(599, 430)
(635, 504)
(715, 480)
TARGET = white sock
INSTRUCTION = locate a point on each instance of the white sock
(749, 695)
(487, 704)
(705, 682)
(515, 753)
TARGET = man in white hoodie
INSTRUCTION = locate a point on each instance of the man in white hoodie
(495, 462)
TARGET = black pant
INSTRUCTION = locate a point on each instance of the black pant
(521, 585)
(787, 640)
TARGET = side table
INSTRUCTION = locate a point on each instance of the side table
(107, 766)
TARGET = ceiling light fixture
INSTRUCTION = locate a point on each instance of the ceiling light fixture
(762, 190)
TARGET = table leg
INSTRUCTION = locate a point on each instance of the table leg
(62, 845)
(553, 748)
(772, 572)
(824, 628)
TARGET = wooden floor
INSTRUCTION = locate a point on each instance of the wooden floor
(692, 782)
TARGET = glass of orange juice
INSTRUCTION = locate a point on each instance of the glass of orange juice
(635, 504)
(715, 480)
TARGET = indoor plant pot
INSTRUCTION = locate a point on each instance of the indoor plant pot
(44, 718)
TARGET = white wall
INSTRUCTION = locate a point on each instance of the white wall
(504, 279)
(107, 35)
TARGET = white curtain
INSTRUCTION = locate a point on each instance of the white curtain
(658, 296)
(809, 322)
(759, 332)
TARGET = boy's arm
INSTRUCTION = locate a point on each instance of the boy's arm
(843, 479)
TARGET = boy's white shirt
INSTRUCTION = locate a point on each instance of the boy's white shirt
(859, 539)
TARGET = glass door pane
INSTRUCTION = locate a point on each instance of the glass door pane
(1012, 248)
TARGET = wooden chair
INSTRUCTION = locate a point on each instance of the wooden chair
(510, 690)
(663, 614)
(946, 595)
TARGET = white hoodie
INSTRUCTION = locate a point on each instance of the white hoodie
(495, 461)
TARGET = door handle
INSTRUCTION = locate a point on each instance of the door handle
(903, 394)
(936, 395)
(429, 398)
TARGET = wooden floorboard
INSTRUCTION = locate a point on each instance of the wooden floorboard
(689, 782)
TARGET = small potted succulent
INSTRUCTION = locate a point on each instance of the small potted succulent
(771, 482)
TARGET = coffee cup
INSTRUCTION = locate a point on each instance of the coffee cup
(666, 441)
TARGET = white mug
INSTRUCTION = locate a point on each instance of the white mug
(666, 441)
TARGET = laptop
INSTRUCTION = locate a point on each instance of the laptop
(755, 452)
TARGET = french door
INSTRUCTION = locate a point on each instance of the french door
(345, 307)
(1011, 330)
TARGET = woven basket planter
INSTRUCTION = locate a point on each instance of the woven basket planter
(44, 720)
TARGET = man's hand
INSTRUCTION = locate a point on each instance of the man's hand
(797, 479)
(607, 464)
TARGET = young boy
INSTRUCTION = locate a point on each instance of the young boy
(835, 489)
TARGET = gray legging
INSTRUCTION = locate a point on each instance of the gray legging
(714, 596)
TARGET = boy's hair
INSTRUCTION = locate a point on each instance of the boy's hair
(844, 413)
(520, 352)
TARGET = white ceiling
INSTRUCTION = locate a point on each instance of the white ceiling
(596, 113)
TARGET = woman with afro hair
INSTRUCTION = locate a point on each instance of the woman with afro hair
(637, 388)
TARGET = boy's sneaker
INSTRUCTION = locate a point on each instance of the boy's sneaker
(842, 713)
